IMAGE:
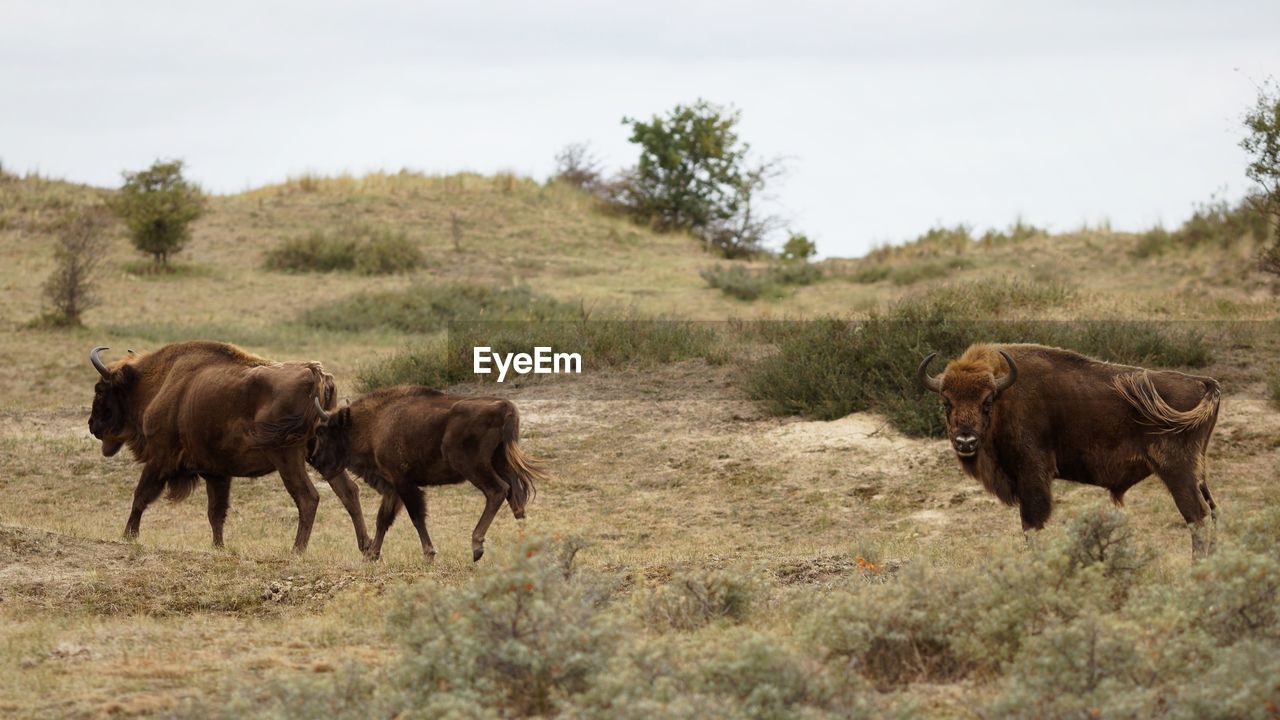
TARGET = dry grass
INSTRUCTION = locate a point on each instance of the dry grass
(659, 469)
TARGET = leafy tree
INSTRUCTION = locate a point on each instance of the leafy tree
(70, 288)
(691, 166)
(158, 205)
(798, 248)
(1263, 145)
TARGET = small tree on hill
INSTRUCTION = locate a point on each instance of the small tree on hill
(158, 205)
(70, 288)
(799, 248)
(1263, 145)
(693, 174)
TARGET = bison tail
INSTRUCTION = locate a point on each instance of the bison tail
(517, 469)
(1140, 392)
(180, 486)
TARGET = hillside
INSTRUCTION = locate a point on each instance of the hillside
(666, 469)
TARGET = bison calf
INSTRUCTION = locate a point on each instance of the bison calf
(403, 438)
(1019, 416)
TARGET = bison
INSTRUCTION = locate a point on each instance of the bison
(402, 438)
(1020, 415)
(208, 409)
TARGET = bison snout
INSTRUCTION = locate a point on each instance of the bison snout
(966, 445)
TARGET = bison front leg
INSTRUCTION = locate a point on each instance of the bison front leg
(349, 494)
(1035, 505)
(293, 471)
(219, 491)
(150, 485)
(387, 512)
(415, 503)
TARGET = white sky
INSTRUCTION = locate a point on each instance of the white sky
(894, 116)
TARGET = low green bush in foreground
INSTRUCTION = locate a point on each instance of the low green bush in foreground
(1083, 627)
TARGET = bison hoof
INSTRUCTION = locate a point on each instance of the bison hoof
(477, 554)
(372, 556)
(518, 513)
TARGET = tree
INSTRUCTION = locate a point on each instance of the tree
(70, 288)
(1263, 145)
(690, 169)
(799, 248)
(158, 206)
(694, 175)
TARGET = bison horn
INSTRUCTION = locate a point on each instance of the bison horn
(929, 383)
(1003, 383)
(324, 416)
(97, 361)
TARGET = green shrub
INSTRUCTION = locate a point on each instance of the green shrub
(750, 284)
(915, 272)
(425, 308)
(1017, 232)
(602, 344)
(829, 368)
(387, 253)
(525, 635)
(317, 252)
(1086, 667)
(737, 281)
(798, 248)
(694, 599)
(365, 249)
(766, 678)
(867, 274)
(1153, 242)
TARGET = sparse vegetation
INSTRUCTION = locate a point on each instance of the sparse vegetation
(158, 206)
(70, 289)
(745, 283)
(365, 249)
(1215, 223)
(426, 308)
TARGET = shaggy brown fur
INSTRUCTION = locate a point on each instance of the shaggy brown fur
(405, 437)
(1072, 417)
(206, 409)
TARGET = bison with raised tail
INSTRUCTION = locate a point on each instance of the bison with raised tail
(207, 409)
(403, 438)
(1019, 416)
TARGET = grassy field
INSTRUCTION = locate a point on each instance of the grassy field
(664, 470)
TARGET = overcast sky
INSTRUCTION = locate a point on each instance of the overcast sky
(894, 116)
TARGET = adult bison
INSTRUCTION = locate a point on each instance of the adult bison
(1019, 416)
(207, 409)
(402, 438)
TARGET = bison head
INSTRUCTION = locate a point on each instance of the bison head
(969, 391)
(327, 449)
(109, 418)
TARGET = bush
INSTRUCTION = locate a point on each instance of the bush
(158, 206)
(525, 635)
(317, 252)
(751, 284)
(70, 289)
(1017, 232)
(602, 344)
(694, 599)
(831, 367)
(425, 308)
(738, 282)
(365, 249)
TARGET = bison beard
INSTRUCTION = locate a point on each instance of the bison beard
(210, 410)
(403, 438)
(1020, 415)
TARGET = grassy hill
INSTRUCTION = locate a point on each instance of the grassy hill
(711, 526)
